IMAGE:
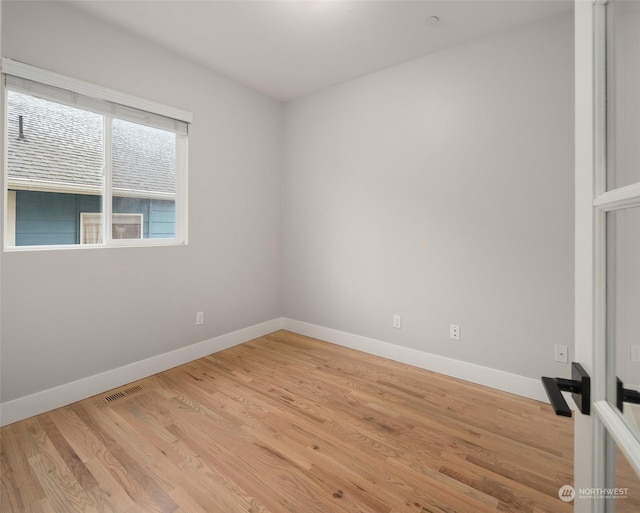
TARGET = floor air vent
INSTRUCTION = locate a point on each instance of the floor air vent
(121, 394)
(114, 397)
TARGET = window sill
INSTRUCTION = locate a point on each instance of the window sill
(148, 243)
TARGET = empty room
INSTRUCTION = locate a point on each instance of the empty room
(320, 256)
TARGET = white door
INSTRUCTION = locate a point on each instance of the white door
(607, 277)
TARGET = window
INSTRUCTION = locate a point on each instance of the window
(123, 226)
(78, 154)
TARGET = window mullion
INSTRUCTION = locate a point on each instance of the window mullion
(107, 203)
(181, 185)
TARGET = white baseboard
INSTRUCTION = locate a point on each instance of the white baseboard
(46, 400)
(493, 378)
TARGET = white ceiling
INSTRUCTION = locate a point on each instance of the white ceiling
(289, 48)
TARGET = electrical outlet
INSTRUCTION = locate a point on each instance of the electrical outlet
(397, 321)
(562, 354)
(454, 332)
(199, 318)
(635, 354)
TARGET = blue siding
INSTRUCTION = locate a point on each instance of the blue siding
(86, 204)
(162, 218)
(45, 218)
(48, 218)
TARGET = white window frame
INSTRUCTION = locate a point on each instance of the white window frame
(116, 218)
(98, 94)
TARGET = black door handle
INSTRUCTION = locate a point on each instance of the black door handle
(579, 385)
(625, 395)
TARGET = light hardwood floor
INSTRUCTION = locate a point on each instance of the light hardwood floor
(286, 423)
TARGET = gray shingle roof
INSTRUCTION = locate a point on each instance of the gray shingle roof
(63, 145)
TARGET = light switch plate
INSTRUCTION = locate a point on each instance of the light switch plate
(561, 354)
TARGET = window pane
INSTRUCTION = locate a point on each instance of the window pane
(623, 306)
(627, 483)
(124, 226)
(144, 180)
(54, 156)
(623, 98)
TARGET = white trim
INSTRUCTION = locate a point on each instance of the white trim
(21, 70)
(127, 243)
(46, 400)
(4, 156)
(182, 181)
(11, 218)
(624, 197)
(600, 460)
(30, 184)
(107, 199)
(587, 429)
(493, 378)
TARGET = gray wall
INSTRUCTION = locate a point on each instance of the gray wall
(70, 314)
(441, 190)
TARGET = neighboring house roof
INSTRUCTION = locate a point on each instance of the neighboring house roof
(62, 146)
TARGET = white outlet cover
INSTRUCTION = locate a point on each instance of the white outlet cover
(561, 354)
(635, 354)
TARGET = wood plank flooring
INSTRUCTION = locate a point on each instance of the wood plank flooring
(286, 423)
